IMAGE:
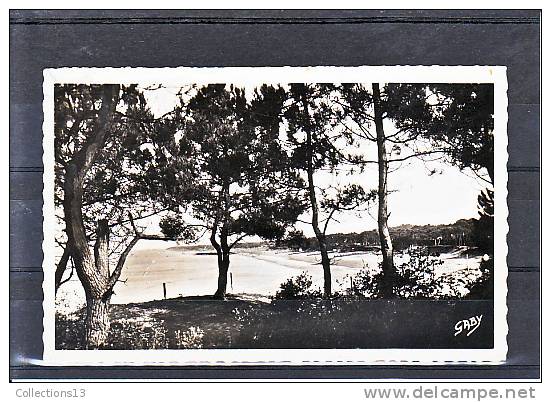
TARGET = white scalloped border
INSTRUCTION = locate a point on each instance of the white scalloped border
(292, 357)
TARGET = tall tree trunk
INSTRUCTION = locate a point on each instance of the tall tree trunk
(94, 275)
(97, 301)
(223, 254)
(320, 235)
(97, 322)
(389, 271)
(222, 282)
(222, 286)
(92, 270)
(326, 264)
(222, 248)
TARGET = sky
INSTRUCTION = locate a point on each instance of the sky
(416, 196)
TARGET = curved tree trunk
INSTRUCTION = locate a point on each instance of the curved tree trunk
(389, 271)
(223, 268)
(92, 269)
(222, 248)
(223, 252)
(222, 276)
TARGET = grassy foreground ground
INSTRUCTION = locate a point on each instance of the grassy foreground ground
(241, 322)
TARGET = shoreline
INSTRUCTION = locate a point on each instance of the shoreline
(253, 271)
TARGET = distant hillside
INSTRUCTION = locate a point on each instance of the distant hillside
(209, 248)
(459, 233)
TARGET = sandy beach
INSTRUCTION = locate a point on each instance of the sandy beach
(255, 272)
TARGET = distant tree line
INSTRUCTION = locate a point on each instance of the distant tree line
(461, 233)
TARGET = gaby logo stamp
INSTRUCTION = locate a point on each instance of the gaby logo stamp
(470, 325)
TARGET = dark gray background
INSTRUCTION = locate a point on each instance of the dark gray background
(41, 39)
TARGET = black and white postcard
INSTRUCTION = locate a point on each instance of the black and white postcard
(275, 215)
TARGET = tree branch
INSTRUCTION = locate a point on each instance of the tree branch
(238, 240)
(118, 269)
(68, 278)
(329, 219)
(61, 267)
